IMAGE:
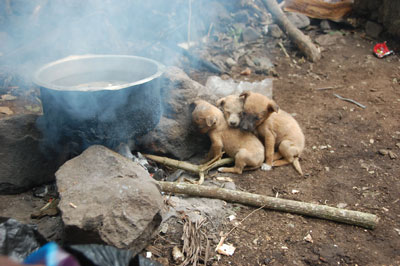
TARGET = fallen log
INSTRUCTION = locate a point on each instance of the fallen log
(366, 220)
(302, 41)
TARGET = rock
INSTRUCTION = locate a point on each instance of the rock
(230, 62)
(23, 164)
(392, 155)
(263, 64)
(300, 21)
(325, 25)
(275, 31)
(249, 34)
(175, 135)
(242, 16)
(327, 39)
(373, 29)
(383, 152)
(106, 198)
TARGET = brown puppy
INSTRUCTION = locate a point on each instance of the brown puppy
(278, 129)
(244, 147)
(232, 106)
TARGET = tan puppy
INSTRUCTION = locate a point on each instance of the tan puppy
(232, 106)
(243, 146)
(278, 129)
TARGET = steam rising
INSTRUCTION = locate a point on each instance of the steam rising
(36, 32)
(39, 31)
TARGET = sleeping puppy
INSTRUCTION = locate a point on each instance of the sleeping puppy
(232, 106)
(243, 146)
(277, 129)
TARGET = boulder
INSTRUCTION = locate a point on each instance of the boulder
(249, 34)
(106, 198)
(175, 135)
(275, 31)
(300, 21)
(23, 165)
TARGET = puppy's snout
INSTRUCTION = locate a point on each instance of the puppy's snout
(233, 123)
(234, 120)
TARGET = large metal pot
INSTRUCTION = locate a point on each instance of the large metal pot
(98, 99)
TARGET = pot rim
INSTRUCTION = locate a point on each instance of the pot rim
(40, 83)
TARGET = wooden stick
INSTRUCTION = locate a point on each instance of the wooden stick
(302, 41)
(366, 220)
(201, 169)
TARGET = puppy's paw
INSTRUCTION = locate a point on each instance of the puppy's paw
(221, 169)
(265, 167)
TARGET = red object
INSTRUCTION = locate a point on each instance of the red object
(381, 50)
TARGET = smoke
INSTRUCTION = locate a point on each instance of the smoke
(36, 32)
(33, 32)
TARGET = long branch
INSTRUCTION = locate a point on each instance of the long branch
(366, 220)
(302, 41)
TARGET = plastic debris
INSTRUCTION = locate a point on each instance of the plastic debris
(381, 50)
(222, 87)
(308, 238)
(177, 255)
(226, 249)
(18, 240)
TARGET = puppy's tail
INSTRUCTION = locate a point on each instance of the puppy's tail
(297, 166)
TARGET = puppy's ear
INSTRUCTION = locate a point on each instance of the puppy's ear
(211, 120)
(221, 102)
(244, 95)
(272, 107)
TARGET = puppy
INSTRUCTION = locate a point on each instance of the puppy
(232, 106)
(278, 129)
(243, 146)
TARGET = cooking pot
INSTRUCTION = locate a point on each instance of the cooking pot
(98, 99)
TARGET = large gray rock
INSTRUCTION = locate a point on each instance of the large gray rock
(107, 198)
(23, 165)
(175, 135)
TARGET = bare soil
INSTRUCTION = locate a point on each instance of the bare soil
(341, 162)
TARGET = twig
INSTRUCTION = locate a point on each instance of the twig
(226, 235)
(366, 220)
(349, 100)
(201, 169)
(327, 88)
(283, 49)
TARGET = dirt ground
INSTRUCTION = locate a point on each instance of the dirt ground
(341, 162)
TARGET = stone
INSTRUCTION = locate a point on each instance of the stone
(300, 21)
(24, 164)
(327, 39)
(249, 34)
(106, 198)
(242, 16)
(263, 64)
(325, 25)
(373, 29)
(230, 62)
(175, 135)
(275, 31)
